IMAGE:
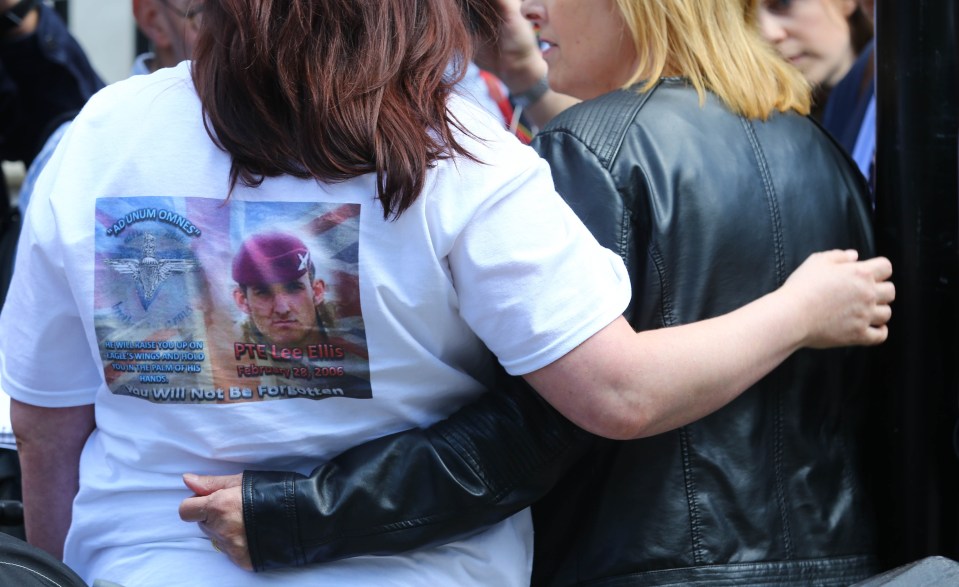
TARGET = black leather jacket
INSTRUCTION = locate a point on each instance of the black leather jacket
(710, 211)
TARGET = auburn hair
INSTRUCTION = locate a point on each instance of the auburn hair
(333, 89)
(716, 45)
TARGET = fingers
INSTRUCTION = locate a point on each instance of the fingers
(879, 267)
(195, 484)
(847, 300)
(223, 523)
(231, 542)
(885, 292)
(837, 255)
(219, 515)
(880, 270)
(850, 254)
(207, 484)
(876, 335)
(881, 314)
(193, 509)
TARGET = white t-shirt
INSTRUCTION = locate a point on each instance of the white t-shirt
(123, 297)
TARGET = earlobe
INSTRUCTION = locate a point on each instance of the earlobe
(241, 302)
(147, 15)
(319, 291)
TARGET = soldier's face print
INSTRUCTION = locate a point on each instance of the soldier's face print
(285, 313)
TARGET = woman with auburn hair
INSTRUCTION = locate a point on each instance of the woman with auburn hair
(325, 132)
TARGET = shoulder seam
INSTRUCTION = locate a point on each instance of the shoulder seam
(602, 123)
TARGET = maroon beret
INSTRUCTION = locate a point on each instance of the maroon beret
(269, 258)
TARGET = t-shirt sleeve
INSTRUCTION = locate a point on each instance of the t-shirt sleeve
(532, 281)
(45, 356)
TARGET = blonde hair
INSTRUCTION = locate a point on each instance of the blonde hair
(716, 45)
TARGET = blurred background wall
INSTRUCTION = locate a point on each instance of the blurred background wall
(106, 31)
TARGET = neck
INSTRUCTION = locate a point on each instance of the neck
(162, 59)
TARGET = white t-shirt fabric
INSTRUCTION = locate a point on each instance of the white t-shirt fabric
(123, 298)
(7, 440)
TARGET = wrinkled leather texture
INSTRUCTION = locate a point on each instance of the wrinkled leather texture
(709, 211)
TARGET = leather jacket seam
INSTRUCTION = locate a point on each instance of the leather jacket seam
(769, 192)
(604, 164)
(849, 567)
(668, 315)
(249, 518)
(628, 121)
(772, 203)
(497, 495)
(781, 496)
(473, 464)
(585, 134)
(289, 498)
(695, 526)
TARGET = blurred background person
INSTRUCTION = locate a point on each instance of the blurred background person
(45, 78)
(513, 54)
(821, 38)
(850, 113)
(52, 81)
(171, 27)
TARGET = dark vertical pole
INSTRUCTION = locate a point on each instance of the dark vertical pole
(917, 213)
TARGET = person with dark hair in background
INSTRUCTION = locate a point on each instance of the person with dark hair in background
(684, 159)
(831, 43)
(45, 78)
(821, 38)
(54, 80)
(850, 113)
(338, 119)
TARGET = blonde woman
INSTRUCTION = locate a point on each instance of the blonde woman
(689, 158)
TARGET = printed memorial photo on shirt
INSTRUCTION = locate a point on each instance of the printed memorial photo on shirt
(204, 301)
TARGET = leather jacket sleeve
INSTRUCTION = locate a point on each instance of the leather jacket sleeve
(416, 488)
